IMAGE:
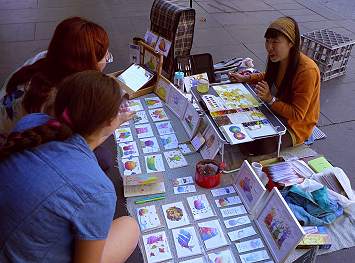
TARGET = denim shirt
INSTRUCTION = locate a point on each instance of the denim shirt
(50, 196)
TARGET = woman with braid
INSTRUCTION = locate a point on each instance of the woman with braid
(56, 204)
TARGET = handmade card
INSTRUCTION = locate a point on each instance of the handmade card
(123, 135)
(158, 114)
(254, 256)
(189, 81)
(175, 159)
(241, 233)
(153, 102)
(163, 46)
(249, 186)
(228, 201)
(186, 148)
(135, 105)
(249, 245)
(175, 215)
(281, 230)
(169, 141)
(212, 235)
(148, 218)
(154, 163)
(150, 38)
(131, 166)
(149, 145)
(223, 191)
(223, 256)
(148, 189)
(156, 247)
(211, 147)
(237, 221)
(126, 149)
(183, 181)
(200, 207)
(151, 60)
(163, 87)
(233, 211)
(164, 127)
(235, 134)
(142, 179)
(191, 120)
(198, 141)
(177, 102)
(186, 242)
(184, 189)
(140, 117)
(144, 130)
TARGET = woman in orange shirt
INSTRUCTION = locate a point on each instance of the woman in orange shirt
(290, 85)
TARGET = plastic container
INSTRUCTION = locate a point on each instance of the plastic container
(179, 80)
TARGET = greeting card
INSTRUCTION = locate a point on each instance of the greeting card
(154, 163)
(169, 141)
(148, 218)
(186, 242)
(158, 114)
(200, 207)
(175, 215)
(175, 159)
(156, 247)
(212, 235)
(131, 166)
(149, 145)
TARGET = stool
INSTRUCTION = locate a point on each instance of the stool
(330, 50)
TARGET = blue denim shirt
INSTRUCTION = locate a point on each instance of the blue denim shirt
(50, 196)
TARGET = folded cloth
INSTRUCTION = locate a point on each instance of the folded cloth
(312, 208)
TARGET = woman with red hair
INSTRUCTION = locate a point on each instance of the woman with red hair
(77, 45)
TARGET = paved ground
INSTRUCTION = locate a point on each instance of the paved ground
(231, 28)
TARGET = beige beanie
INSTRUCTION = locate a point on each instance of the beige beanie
(286, 26)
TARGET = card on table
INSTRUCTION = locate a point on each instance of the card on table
(212, 234)
(123, 135)
(127, 149)
(242, 233)
(158, 114)
(148, 218)
(156, 247)
(169, 141)
(186, 148)
(175, 215)
(135, 105)
(144, 130)
(154, 163)
(153, 102)
(254, 256)
(228, 201)
(183, 181)
(164, 127)
(131, 166)
(140, 117)
(249, 245)
(184, 189)
(149, 145)
(200, 207)
(146, 189)
(175, 159)
(237, 221)
(233, 211)
(224, 256)
(186, 242)
(223, 191)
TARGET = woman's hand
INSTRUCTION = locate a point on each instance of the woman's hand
(263, 91)
(237, 77)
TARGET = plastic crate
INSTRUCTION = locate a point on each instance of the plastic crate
(330, 50)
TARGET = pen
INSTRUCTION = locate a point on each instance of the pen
(150, 199)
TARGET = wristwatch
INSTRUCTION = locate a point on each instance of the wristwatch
(272, 101)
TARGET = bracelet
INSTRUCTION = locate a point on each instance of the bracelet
(272, 101)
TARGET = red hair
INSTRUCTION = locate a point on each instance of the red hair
(77, 45)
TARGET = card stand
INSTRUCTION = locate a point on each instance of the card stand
(148, 218)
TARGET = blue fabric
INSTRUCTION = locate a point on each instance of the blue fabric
(312, 208)
(50, 196)
(30, 121)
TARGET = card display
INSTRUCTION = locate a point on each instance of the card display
(183, 181)
(211, 147)
(233, 211)
(236, 133)
(228, 201)
(211, 234)
(200, 207)
(158, 114)
(127, 149)
(131, 166)
(163, 88)
(241, 233)
(142, 179)
(154, 163)
(153, 102)
(177, 102)
(254, 256)
(135, 105)
(186, 242)
(149, 145)
(198, 141)
(150, 38)
(164, 127)
(249, 245)
(169, 141)
(175, 215)
(144, 130)
(237, 221)
(223, 191)
(224, 256)
(175, 159)
(184, 189)
(140, 117)
(123, 135)
(148, 218)
(156, 247)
